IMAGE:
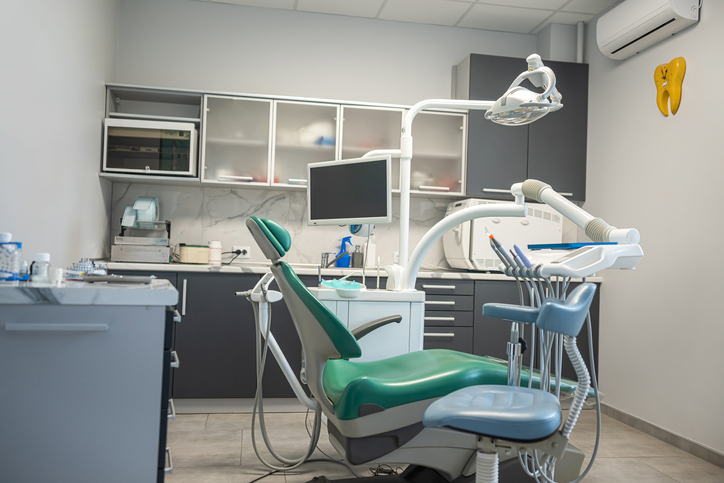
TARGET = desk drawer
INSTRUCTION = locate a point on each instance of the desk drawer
(452, 338)
(448, 302)
(447, 318)
(443, 287)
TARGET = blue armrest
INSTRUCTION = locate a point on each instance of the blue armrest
(515, 313)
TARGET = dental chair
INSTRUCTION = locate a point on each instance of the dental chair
(520, 419)
(375, 409)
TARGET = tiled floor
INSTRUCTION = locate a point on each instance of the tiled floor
(217, 448)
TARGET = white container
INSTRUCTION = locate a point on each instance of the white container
(40, 268)
(194, 254)
(214, 252)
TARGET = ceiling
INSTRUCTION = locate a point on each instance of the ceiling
(519, 16)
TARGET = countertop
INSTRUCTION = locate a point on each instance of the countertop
(158, 292)
(305, 269)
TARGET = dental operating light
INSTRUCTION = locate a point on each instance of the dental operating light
(516, 107)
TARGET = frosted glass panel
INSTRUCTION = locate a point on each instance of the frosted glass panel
(305, 133)
(437, 157)
(237, 139)
(365, 129)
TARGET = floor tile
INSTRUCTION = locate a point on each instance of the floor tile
(187, 422)
(607, 470)
(687, 469)
(218, 474)
(205, 448)
(228, 422)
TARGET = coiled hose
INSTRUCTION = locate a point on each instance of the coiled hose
(584, 382)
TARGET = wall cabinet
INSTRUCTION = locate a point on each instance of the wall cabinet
(252, 141)
(304, 133)
(236, 140)
(552, 149)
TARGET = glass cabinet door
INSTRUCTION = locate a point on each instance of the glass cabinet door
(367, 128)
(304, 133)
(237, 140)
(437, 157)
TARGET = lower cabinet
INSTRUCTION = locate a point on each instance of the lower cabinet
(490, 336)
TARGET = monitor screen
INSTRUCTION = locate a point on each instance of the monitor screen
(350, 191)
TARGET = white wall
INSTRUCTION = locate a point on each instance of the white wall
(56, 57)
(661, 325)
(203, 45)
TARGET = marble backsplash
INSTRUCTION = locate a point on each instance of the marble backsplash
(201, 214)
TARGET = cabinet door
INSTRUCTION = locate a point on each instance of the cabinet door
(437, 161)
(497, 156)
(557, 143)
(491, 336)
(366, 128)
(304, 133)
(453, 338)
(215, 339)
(236, 144)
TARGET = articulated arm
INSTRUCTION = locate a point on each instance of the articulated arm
(365, 329)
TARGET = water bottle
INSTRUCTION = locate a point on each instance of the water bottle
(10, 254)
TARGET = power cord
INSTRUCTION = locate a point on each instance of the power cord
(237, 253)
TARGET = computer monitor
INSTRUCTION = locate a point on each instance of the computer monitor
(350, 191)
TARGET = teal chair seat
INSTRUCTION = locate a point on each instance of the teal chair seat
(405, 379)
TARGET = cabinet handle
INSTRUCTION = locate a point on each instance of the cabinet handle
(175, 361)
(449, 319)
(176, 316)
(56, 327)
(435, 188)
(439, 302)
(440, 287)
(565, 194)
(183, 295)
(297, 181)
(439, 334)
(168, 470)
(237, 178)
(172, 414)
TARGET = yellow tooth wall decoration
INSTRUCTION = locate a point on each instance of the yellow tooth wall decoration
(668, 79)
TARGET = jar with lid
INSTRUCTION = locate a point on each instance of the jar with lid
(40, 268)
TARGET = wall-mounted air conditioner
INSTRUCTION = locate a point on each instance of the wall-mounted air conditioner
(635, 25)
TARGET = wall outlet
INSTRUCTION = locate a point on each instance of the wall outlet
(396, 258)
(245, 251)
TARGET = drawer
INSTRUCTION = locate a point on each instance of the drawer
(445, 318)
(448, 302)
(442, 287)
(453, 338)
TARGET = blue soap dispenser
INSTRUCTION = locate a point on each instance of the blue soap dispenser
(343, 261)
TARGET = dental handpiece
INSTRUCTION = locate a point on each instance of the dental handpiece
(501, 249)
(522, 256)
(494, 245)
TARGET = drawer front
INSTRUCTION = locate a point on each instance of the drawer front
(448, 302)
(453, 338)
(444, 287)
(445, 318)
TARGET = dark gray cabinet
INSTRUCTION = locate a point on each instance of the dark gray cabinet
(552, 149)
(215, 339)
(490, 336)
(448, 314)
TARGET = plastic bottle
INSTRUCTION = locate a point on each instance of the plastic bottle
(215, 252)
(40, 267)
(10, 253)
(343, 261)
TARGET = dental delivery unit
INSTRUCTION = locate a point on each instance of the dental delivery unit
(452, 416)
